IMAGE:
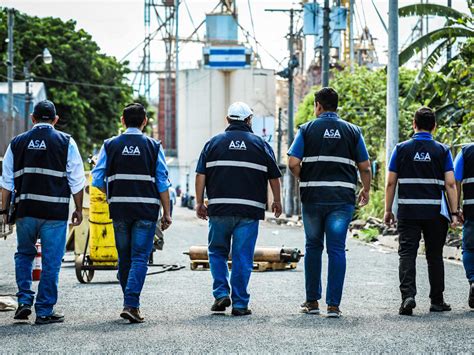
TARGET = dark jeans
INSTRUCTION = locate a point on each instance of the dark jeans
(330, 222)
(134, 241)
(468, 248)
(434, 233)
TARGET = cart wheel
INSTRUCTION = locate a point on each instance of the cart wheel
(84, 276)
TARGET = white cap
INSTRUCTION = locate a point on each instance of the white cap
(239, 111)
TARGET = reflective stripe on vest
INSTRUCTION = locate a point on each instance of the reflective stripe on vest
(124, 199)
(329, 158)
(239, 201)
(327, 184)
(41, 171)
(42, 198)
(238, 164)
(415, 201)
(469, 202)
(421, 181)
(134, 177)
(468, 181)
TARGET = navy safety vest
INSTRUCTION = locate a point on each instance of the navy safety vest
(420, 178)
(468, 181)
(132, 193)
(236, 173)
(39, 165)
(329, 173)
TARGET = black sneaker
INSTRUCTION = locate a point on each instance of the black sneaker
(471, 295)
(406, 309)
(333, 312)
(440, 307)
(310, 307)
(22, 312)
(220, 304)
(53, 318)
(132, 314)
(241, 312)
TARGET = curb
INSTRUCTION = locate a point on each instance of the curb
(450, 253)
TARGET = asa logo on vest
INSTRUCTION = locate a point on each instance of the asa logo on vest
(332, 133)
(237, 145)
(37, 144)
(131, 150)
(422, 156)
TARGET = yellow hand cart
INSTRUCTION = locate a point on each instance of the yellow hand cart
(94, 240)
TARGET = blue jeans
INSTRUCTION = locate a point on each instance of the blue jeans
(53, 243)
(243, 234)
(332, 221)
(134, 242)
(468, 248)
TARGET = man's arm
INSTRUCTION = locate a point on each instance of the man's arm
(294, 164)
(201, 209)
(77, 214)
(390, 187)
(6, 196)
(276, 191)
(163, 184)
(366, 178)
(98, 172)
(76, 180)
(451, 191)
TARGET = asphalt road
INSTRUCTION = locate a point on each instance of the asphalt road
(176, 306)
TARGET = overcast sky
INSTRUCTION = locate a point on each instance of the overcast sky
(117, 25)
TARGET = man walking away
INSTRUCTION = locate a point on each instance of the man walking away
(42, 168)
(325, 156)
(132, 168)
(234, 168)
(464, 174)
(423, 169)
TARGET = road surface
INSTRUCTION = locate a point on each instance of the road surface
(176, 306)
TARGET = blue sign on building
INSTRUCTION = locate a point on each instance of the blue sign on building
(227, 58)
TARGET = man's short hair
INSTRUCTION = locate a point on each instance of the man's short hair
(425, 119)
(134, 114)
(328, 98)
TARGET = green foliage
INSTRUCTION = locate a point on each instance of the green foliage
(369, 235)
(362, 101)
(375, 207)
(88, 87)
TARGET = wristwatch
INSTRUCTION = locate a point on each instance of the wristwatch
(4, 211)
(457, 213)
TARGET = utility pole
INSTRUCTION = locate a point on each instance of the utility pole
(10, 76)
(351, 34)
(176, 75)
(325, 66)
(392, 79)
(288, 73)
(448, 50)
(279, 136)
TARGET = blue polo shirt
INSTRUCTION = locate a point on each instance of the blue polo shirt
(459, 166)
(448, 165)
(297, 148)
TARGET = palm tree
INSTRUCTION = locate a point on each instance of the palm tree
(458, 25)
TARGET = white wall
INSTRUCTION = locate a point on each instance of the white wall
(203, 98)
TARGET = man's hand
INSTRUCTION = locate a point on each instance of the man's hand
(76, 218)
(461, 217)
(454, 221)
(364, 197)
(389, 218)
(276, 208)
(201, 211)
(165, 222)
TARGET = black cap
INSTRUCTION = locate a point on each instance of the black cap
(44, 110)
